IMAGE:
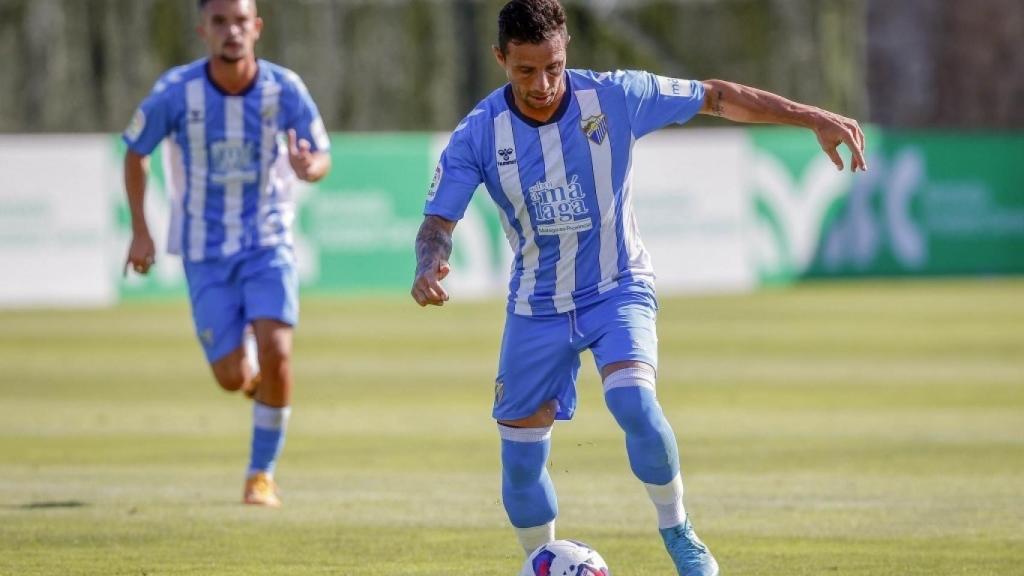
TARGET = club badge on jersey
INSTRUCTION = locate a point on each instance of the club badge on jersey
(596, 128)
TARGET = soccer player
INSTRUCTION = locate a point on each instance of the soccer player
(237, 131)
(553, 148)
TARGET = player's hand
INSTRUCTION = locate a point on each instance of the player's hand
(427, 289)
(300, 155)
(833, 130)
(141, 254)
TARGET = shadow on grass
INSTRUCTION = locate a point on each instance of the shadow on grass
(51, 504)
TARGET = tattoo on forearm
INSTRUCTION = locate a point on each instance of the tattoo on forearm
(716, 106)
(433, 244)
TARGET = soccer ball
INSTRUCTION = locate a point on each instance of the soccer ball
(565, 558)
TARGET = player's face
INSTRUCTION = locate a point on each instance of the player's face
(230, 29)
(536, 73)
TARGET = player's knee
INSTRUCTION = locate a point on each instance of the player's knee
(274, 356)
(229, 378)
(522, 471)
(630, 396)
(230, 371)
(524, 452)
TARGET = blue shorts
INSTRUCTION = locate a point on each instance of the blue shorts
(540, 355)
(228, 293)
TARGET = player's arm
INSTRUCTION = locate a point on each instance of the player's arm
(308, 165)
(141, 251)
(433, 248)
(741, 103)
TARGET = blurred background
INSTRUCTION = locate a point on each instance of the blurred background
(936, 83)
(841, 356)
(83, 65)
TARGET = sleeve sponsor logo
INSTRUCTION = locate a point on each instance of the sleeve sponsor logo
(674, 87)
(438, 174)
(136, 126)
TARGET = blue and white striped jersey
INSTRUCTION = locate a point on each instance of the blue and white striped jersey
(563, 188)
(227, 157)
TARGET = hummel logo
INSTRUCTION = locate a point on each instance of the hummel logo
(507, 156)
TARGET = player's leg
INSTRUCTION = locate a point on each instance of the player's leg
(234, 371)
(626, 352)
(535, 385)
(252, 358)
(270, 293)
(219, 321)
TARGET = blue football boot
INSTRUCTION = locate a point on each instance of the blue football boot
(690, 555)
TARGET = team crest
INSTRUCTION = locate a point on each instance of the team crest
(596, 128)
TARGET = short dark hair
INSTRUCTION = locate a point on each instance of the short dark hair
(203, 3)
(530, 21)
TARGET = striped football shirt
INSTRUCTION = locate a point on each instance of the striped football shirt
(226, 156)
(563, 187)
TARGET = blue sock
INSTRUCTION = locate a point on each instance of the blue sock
(268, 433)
(650, 442)
(526, 487)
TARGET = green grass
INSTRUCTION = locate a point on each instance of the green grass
(859, 428)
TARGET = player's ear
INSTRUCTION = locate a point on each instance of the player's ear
(259, 27)
(498, 55)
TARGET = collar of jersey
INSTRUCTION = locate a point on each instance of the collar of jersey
(246, 90)
(562, 106)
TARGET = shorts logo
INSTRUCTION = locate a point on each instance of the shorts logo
(499, 391)
(508, 156)
(596, 128)
(438, 174)
(559, 209)
(207, 337)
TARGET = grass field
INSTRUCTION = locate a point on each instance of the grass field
(861, 428)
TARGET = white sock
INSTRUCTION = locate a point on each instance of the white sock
(668, 501)
(532, 538)
(252, 356)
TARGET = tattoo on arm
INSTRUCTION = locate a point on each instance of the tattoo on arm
(716, 105)
(433, 243)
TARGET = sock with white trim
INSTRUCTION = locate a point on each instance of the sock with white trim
(650, 441)
(268, 432)
(526, 488)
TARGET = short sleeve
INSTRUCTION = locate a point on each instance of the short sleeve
(151, 122)
(457, 176)
(657, 101)
(306, 120)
